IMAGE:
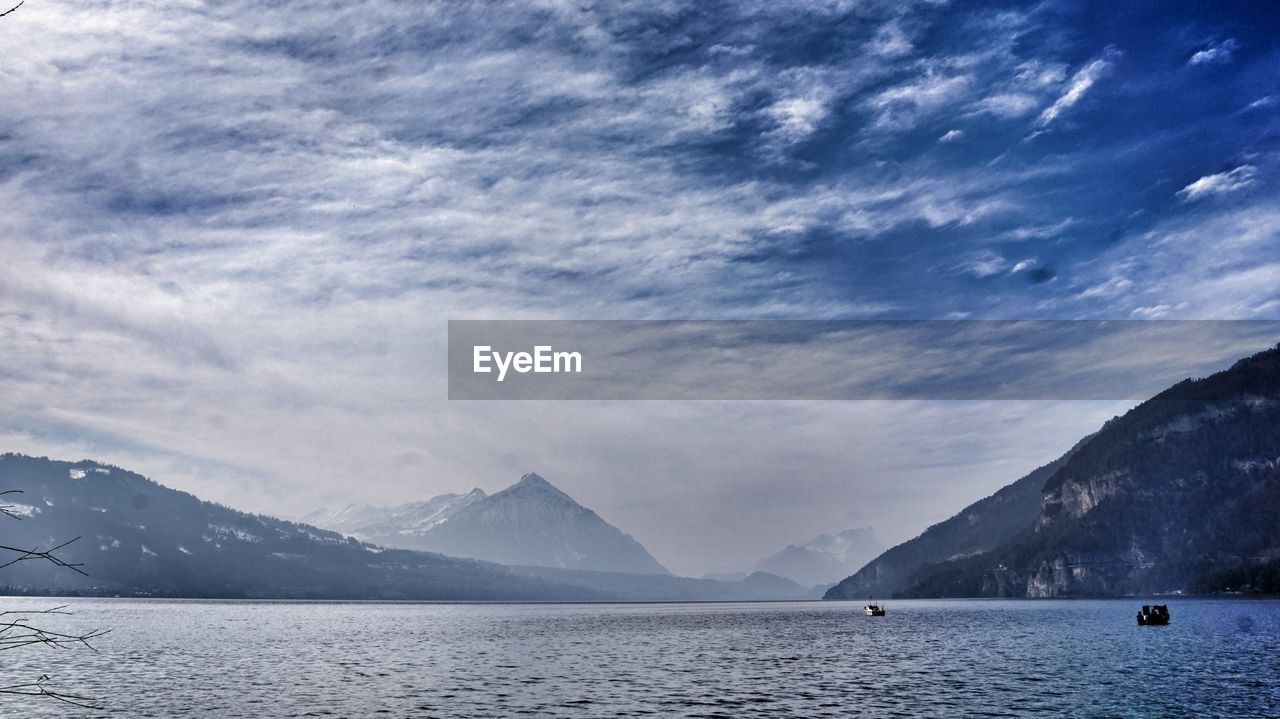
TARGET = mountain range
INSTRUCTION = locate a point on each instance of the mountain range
(529, 523)
(135, 537)
(825, 559)
(1181, 493)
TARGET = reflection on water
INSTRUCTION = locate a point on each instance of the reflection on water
(926, 658)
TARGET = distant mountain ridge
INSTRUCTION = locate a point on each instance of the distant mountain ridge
(532, 522)
(1179, 493)
(825, 559)
(378, 524)
(757, 586)
(140, 538)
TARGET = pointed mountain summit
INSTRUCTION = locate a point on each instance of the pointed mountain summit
(534, 484)
(531, 523)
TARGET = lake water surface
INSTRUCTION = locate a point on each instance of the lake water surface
(926, 658)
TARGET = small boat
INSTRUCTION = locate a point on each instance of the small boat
(1153, 615)
(873, 610)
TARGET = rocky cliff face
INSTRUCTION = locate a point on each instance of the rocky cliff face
(1073, 500)
(1183, 486)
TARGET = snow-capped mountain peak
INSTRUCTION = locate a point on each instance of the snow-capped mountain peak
(532, 522)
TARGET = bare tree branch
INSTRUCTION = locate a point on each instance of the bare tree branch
(16, 629)
(48, 555)
(40, 688)
(7, 509)
(19, 632)
(15, 7)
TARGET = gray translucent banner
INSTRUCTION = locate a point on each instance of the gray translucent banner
(840, 360)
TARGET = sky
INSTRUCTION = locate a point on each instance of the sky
(233, 233)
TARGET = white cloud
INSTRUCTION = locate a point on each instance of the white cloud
(1080, 83)
(1036, 73)
(1112, 287)
(1264, 101)
(1211, 264)
(951, 136)
(902, 107)
(891, 41)
(1217, 53)
(798, 117)
(984, 264)
(1221, 183)
(1007, 106)
(1155, 312)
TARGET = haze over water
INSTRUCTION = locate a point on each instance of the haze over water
(926, 658)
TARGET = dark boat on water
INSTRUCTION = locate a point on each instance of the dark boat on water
(1153, 615)
(873, 610)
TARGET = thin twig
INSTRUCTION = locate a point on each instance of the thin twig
(7, 509)
(27, 554)
(39, 688)
(19, 632)
(16, 630)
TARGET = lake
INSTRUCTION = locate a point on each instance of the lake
(810, 659)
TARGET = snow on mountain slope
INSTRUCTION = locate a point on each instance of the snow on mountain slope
(825, 559)
(369, 523)
(529, 523)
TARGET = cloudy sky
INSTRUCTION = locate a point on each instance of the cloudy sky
(232, 233)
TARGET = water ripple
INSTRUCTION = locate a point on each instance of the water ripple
(931, 659)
